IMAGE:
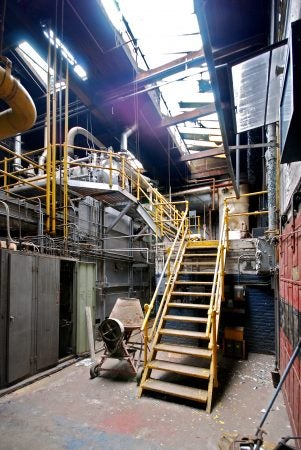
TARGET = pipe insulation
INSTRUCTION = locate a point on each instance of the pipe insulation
(124, 137)
(22, 112)
(72, 133)
(271, 171)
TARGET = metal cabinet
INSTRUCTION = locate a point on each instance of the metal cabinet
(29, 314)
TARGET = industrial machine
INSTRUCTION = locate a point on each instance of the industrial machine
(122, 338)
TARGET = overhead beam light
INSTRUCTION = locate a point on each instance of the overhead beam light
(55, 41)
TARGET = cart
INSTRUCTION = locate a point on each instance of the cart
(122, 338)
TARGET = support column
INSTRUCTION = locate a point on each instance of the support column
(271, 171)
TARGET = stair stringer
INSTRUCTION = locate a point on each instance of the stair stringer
(153, 352)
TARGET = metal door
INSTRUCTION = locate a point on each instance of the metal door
(20, 316)
(3, 314)
(48, 287)
(85, 296)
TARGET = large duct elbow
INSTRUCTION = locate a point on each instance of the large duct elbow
(22, 112)
(73, 132)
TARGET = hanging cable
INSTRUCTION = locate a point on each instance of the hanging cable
(2, 23)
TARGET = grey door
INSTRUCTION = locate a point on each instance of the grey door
(48, 287)
(85, 296)
(20, 316)
(3, 314)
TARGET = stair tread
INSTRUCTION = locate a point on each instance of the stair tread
(192, 351)
(192, 294)
(196, 283)
(177, 390)
(186, 318)
(203, 244)
(198, 263)
(184, 333)
(181, 369)
(188, 305)
(190, 272)
(197, 255)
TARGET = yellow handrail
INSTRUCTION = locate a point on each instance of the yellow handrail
(179, 239)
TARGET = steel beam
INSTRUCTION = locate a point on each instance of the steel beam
(193, 59)
(120, 215)
(189, 115)
(199, 8)
(207, 153)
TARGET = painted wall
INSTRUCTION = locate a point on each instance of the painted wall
(290, 315)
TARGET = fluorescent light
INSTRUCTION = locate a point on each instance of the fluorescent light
(80, 72)
(54, 40)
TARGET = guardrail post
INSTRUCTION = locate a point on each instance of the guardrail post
(122, 172)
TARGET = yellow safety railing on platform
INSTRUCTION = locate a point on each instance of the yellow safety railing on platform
(217, 293)
(120, 174)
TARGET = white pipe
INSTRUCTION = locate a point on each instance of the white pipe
(73, 132)
(124, 137)
(17, 161)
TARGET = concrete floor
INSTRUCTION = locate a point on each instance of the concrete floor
(67, 410)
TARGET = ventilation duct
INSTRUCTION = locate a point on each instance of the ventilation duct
(22, 112)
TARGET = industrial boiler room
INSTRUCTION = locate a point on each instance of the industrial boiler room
(150, 224)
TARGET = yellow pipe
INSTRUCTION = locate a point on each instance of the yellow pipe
(254, 213)
(22, 112)
(53, 162)
(110, 172)
(48, 160)
(5, 175)
(65, 176)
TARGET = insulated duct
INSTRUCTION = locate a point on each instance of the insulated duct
(18, 149)
(271, 171)
(22, 112)
(124, 137)
(73, 132)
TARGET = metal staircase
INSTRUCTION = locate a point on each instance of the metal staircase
(182, 361)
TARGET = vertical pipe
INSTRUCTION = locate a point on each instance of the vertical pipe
(53, 178)
(48, 160)
(271, 170)
(5, 175)
(65, 175)
(17, 161)
(238, 163)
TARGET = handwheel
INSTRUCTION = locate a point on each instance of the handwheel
(94, 370)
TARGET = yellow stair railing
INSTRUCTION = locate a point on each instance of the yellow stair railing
(175, 253)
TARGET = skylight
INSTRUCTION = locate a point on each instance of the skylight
(54, 40)
(166, 30)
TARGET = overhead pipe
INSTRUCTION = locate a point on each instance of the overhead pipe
(22, 112)
(9, 238)
(124, 137)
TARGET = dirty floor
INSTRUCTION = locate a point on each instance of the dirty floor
(67, 410)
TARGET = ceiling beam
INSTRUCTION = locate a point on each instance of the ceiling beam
(189, 115)
(203, 154)
(200, 10)
(177, 65)
(208, 173)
